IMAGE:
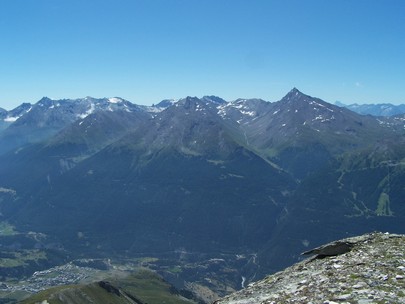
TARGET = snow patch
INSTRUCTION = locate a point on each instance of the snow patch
(221, 111)
(323, 119)
(89, 111)
(11, 118)
(114, 100)
(250, 113)
(7, 190)
(198, 108)
(313, 102)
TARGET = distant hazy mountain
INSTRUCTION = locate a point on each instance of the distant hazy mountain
(382, 109)
(202, 175)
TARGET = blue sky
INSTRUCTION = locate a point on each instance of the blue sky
(145, 51)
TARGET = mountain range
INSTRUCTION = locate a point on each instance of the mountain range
(105, 177)
(381, 109)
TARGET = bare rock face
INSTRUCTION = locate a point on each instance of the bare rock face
(365, 269)
(334, 248)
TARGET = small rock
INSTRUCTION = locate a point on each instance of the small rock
(399, 277)
(364, 301)
(384, 278)
(344, 297)
(359, 285)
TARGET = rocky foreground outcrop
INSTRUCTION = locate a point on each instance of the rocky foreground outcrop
(370, 269)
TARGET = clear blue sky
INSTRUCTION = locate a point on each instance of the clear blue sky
(148, 50)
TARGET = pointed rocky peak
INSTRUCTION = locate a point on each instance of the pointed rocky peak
(24, 107)
(295, 91)
(16, 113)
(187, 103)
(171, 109)
(250, 103)
(294, 95)
(189, 99)
(214, 99)
(165, 103)
(190, 102)
(296, 100)
(45, 101)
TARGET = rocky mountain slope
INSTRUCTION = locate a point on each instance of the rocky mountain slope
(370, 269)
